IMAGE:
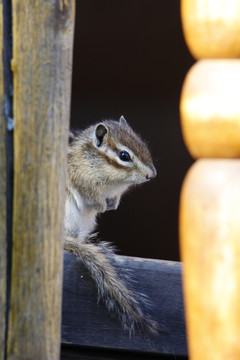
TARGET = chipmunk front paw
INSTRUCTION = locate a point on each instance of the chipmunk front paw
(100, 207)
(112, 203)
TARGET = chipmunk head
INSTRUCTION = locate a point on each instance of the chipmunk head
(104, 160)
(122, 153)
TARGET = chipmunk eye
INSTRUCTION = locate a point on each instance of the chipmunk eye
(124, 156)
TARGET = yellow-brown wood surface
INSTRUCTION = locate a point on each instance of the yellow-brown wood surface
(42, 59)
(210, 249)
(3, 223)
(211, 27)
(210, 109)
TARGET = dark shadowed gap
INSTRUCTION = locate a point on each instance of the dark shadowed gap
(8, 111)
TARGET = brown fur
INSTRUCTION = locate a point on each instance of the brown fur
(97, 181)
(110, 287)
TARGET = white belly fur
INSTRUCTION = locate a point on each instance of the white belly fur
(79, 221)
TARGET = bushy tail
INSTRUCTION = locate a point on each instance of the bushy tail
(117, 297)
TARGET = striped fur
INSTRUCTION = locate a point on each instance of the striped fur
(96, 179)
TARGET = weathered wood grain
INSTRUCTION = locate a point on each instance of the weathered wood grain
(87, 322)
(3, 205)
(42, 61)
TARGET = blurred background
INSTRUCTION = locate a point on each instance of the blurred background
(130, 59)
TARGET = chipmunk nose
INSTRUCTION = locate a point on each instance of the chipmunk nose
(152, 174)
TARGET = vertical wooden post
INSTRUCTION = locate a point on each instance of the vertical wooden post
(41, 65)
(210, 228)
(210, 197)
(3, 215)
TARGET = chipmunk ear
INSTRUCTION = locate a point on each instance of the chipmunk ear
(100, 134)
(124, 124)
(123, 121)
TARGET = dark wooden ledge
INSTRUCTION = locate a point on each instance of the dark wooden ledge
(86, 321)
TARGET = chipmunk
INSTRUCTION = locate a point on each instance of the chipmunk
(104, 161)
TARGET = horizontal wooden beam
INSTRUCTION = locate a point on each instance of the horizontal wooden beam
(86, 321)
